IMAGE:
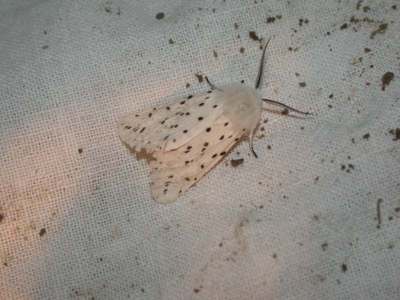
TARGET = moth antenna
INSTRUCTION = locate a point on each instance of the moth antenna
(261, 67)
(289, 108)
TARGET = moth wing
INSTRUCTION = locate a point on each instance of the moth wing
(170, 126)
(175, 171)
(198, 115)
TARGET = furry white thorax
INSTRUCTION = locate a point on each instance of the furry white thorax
(242, 105)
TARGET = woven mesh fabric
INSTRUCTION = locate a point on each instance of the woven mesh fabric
(316, 216)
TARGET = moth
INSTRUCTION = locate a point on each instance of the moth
(184, 140)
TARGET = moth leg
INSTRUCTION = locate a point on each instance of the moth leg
(212, 86)
(287, 107)
(251, 145)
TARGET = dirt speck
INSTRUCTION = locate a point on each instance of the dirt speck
(80, 150)
(271, 19)
(197, 290)
(236, 25)
(285, 112)
(107, 9)
(215, 53)
(302, 84)
(366, 9)
(44, 47)
(241, 50)
(171, 41)
(303, 21)
(344, 268)
(274, 256)
(199, 77)
(1, 217)
(324, 246)
(42, 232)
(358, 6)
(367, 50)
(253, 35)
(187, 85)
(386, 79)
(344, 26)
(396, 133)
(236, 162)
(379, 212)
(381, 30)
(160, 16)
(366, 136)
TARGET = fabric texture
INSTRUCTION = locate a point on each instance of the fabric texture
(315, 216)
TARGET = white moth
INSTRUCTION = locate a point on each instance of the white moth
(186, 139)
